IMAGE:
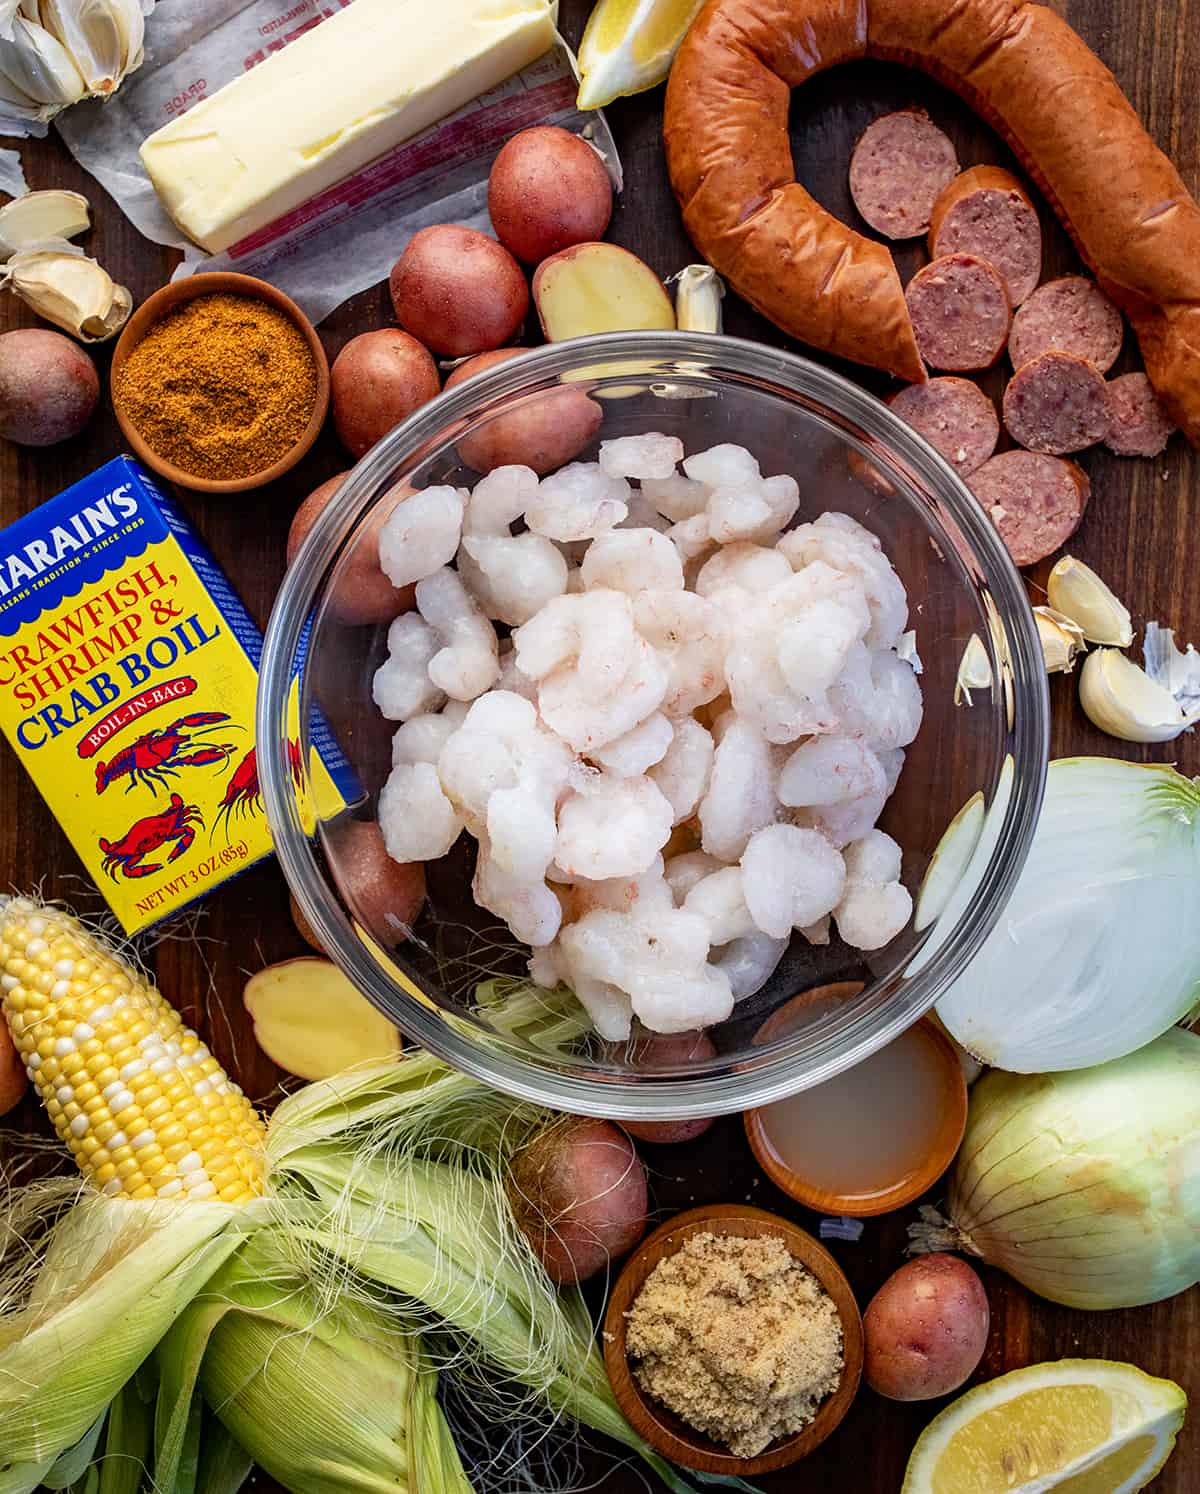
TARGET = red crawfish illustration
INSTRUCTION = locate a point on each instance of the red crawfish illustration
(156, 756)
(243, 794)
(149, 834)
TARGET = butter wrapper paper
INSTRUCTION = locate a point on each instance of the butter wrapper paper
(347, 238)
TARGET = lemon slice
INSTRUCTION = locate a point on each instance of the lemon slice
(1077, 1426)
(628, 46)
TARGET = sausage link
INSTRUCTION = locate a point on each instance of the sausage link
(1024, 70)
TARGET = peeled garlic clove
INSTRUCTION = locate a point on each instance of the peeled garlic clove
(698, 298)
(40, 66)
(1125, 702)
(38, 216)
(1062, 640)
(67, 288)
(974, 671)
(1075, 590)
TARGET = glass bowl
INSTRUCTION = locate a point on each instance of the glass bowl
(984, 745)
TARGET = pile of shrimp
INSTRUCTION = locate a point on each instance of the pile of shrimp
(678, 756)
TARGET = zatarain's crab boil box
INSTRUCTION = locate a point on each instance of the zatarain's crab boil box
(128, 673)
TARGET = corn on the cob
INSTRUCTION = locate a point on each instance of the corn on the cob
(143, 1105)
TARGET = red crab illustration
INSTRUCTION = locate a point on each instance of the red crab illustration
(157, 756)
(243, 795)
(146, 835)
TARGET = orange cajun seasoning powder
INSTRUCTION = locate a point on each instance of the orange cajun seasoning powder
(223, 386)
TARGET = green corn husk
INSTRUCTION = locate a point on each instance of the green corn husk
(114, 1276)
(326, 1400)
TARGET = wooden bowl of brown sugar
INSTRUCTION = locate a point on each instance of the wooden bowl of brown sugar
(668, 1433)
(220, 383)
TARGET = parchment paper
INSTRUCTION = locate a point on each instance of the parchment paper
(347, 238)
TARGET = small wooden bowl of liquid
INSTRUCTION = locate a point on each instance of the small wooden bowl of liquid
(670, 1434)
(875, 1137)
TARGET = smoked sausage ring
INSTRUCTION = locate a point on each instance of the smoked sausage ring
(1019, 66)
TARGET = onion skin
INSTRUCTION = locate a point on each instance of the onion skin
(1084, 1185)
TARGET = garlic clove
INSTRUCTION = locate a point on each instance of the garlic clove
(1075, 590)
(1062, 640)
(67, 288)
(38, 216)
(40, 66)
(698, 297)
(1125, 702)
(974, 671)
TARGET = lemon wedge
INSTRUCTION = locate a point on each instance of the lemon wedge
(628, 45)
(1077, 1426)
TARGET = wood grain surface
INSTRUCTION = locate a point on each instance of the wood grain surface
(1140, 533)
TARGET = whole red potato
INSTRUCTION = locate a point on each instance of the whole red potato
(926, 1329)
(361, 593)
(385, 896)
(458, 291)
(658, 1051)
(578, 1194)
(544, 434)
(548, 189)
(48, 387)
(376, 380)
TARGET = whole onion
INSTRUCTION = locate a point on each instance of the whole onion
(1084, 1185)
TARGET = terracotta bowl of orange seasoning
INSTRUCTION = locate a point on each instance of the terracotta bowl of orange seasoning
(220, 383)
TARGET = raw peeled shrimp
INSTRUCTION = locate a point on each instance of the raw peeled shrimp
(420, 534)
(875, 905)
(512, 576)
(468, 661)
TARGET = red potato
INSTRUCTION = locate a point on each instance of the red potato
(310, 1020)
(578, 1194)
(302, 925)
(48, 387)
(361, 593)
(385, 896)
(592, 288)
(377, 380)
(548, 189)
(926, 1329)
(14, 1081)
(659, 1051)
(545, 434)
(458, 291)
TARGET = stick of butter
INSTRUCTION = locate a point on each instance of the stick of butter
(348, 91)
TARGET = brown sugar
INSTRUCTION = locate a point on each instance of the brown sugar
(736, 1337)
(223, 386)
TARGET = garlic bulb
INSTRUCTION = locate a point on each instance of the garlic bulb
(67, 288)
(1075, 590)
(37, 216)
(698, 298)
(1062, 640)
(1124, 701)
(55, 52)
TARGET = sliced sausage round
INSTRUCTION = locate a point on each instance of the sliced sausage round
(955, 417)
(986, 211)
(1056, 403)
(960, 312)
(900, 164)
(1035, 501)
(1137, 423)
(1070, 315)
